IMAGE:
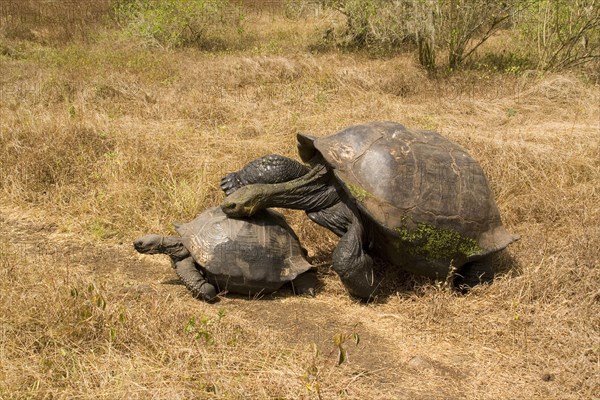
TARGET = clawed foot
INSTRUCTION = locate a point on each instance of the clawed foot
(309, 292)
(230, 183)
(207, 292)
(304, 284)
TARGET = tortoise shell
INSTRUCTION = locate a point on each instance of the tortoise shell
(417, 186)
(249, 255)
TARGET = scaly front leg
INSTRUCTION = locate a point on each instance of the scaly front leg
(353, 264)
(269, 169)
(194, 280)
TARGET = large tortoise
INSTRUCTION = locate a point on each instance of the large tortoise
(412, 197)
(247, 256)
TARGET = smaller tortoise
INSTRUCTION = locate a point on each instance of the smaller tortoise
(247, 256)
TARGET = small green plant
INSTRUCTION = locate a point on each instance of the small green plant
(340, 340)
(358, 192)
(311, 377)
(89, 314)
(318, 364)
(202, 328)
(515, 310)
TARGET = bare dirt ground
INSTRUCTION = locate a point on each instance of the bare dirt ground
(298, 323)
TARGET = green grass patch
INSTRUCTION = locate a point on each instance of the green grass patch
(357, 192)
(437, 243)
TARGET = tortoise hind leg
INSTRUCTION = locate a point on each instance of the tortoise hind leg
(194, 280)
(269, 169)
(477, 272)
(305, 283)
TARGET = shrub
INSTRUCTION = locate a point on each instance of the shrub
(560, 33)
(370, 23)
(465, 25)
(461, 25)
(177, 23)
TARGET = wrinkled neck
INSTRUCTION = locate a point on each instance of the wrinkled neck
(173, 247)
(312, 192)
(312, 197)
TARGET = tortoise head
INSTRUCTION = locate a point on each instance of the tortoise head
(245, 201)
(157, 244)
(306, 146)
(309, 192)
(149, 244)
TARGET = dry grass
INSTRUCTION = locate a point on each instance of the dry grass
(106, 140)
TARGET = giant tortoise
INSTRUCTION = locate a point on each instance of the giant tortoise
(247, 256)
(411, 197)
